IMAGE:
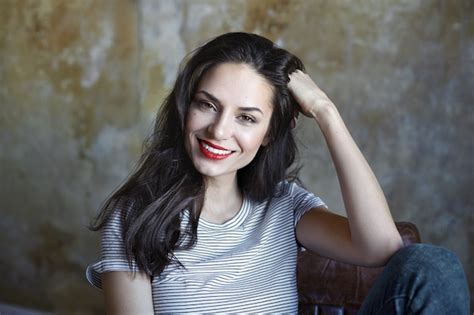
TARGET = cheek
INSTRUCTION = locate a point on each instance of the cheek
(253, 140)
(197, 120)
(191, 121)
(188, 129)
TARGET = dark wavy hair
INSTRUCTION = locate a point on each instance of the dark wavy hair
(165, 182)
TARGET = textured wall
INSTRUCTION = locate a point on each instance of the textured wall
(80, 82)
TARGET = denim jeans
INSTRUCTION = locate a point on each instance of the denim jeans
(419, 279)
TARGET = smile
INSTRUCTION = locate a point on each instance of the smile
(212, 152)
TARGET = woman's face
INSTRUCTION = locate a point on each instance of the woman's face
(228, 120)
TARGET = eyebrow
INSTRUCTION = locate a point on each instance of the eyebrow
(216, 100)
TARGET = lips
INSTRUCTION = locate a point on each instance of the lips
(213, 151)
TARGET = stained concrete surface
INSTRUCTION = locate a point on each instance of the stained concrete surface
(81, 81)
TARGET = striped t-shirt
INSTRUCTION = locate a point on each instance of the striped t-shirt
(246, 265)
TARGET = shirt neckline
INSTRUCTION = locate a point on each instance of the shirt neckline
(234, 222)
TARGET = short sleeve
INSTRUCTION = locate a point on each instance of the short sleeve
(113, 256)
(303, 201)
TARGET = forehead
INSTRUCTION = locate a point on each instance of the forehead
(239, 85)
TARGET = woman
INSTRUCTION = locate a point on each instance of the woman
(211, 219)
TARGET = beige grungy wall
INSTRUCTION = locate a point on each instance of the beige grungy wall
(81, 81)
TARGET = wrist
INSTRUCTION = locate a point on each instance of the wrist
(326, 113)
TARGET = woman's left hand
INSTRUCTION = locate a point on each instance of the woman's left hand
(308, 95)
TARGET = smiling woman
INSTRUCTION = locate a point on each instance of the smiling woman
(228, 120)
(212, 220)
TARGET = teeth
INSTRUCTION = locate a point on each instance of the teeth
(214, 150)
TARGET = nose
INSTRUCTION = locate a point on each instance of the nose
(221, 128)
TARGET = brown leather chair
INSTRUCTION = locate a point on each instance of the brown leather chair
(327, 287)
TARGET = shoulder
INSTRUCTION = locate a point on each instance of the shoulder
(120, 213)
(299, 195)
(288, 188)
(124, 206)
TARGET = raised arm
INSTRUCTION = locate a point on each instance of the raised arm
(368, 235)
(126, 293)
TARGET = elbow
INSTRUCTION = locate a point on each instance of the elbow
(393, 245)
(380, 256)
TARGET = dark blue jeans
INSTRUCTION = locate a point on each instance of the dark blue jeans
(419, 279)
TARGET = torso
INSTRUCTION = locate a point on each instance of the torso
(246, 264)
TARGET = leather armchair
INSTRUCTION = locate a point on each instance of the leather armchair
(327, 287)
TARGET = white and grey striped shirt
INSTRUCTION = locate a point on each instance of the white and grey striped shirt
(246, 265)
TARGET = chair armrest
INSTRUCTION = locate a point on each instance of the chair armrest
(326, 283)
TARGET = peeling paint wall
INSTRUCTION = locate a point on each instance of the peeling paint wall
(81, 81)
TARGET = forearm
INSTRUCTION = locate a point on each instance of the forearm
(371, 225)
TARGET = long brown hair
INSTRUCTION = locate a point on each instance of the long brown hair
(165, 182)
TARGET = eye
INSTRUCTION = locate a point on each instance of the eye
(206, 105)
(247, 118)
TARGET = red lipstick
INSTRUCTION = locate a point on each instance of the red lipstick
(213, 145)
(213, 151)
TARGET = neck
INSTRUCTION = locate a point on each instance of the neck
(222, 200)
